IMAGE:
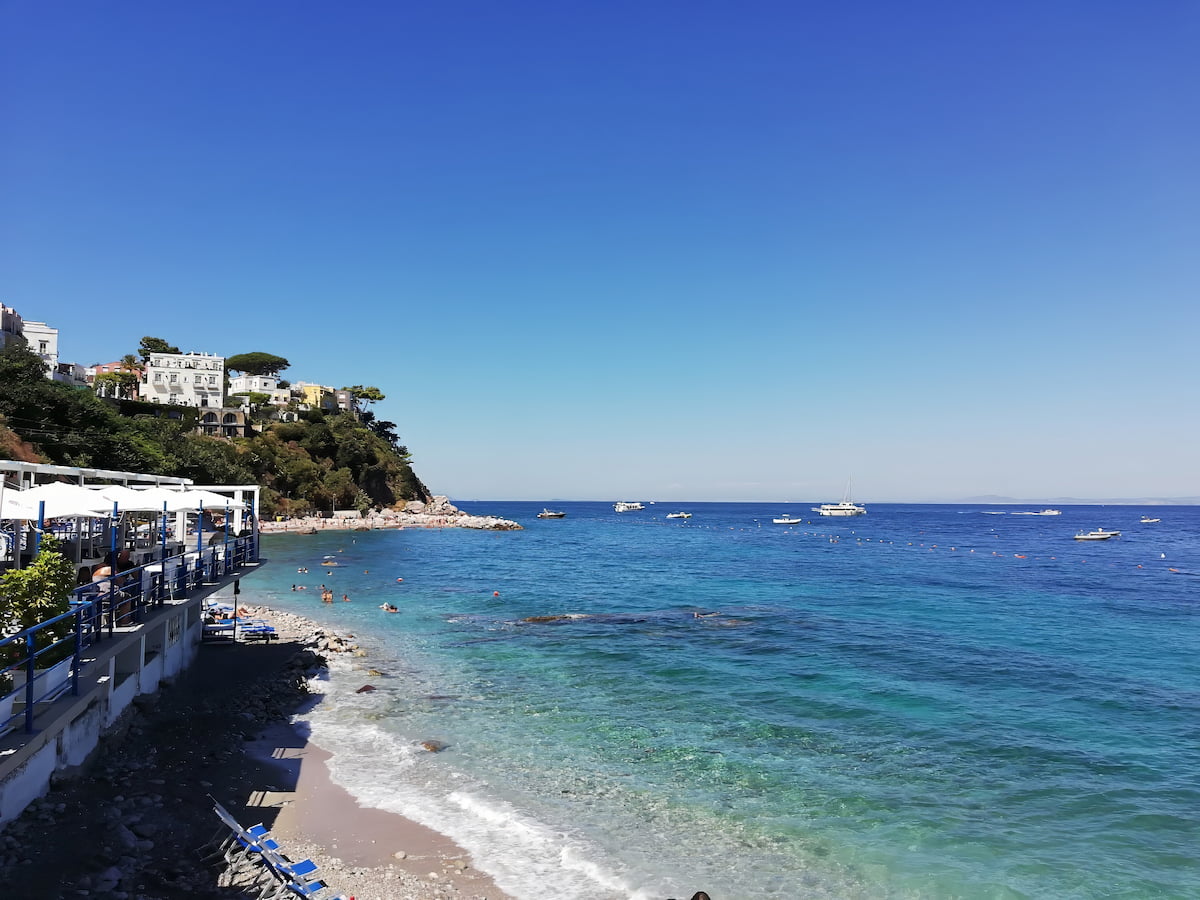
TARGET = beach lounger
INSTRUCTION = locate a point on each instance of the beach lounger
(235, 843)
(219, 630)
(256, 630)
(290, 877)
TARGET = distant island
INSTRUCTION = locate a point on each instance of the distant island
(1076, 501)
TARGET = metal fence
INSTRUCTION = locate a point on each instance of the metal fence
(43, 662)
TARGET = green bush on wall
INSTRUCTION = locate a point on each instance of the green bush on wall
(40, 591)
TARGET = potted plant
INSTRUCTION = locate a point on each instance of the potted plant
(29, 596)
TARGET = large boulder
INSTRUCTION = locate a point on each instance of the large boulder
(441, 506)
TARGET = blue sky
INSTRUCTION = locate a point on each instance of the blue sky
(646, 250)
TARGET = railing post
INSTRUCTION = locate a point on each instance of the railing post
(78, 652)
(29, 670)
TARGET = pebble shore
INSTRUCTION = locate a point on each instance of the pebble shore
(438, 513)
(132, 824)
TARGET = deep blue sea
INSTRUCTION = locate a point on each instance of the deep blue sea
(923, 702)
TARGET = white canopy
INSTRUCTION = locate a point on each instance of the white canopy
(62, 501)
(152, 499)
(210, 499)
(129, 500)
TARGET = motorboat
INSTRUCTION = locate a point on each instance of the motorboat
(551, 514)
(1147, 520)
(845, 508)
(679, 515)
(627, 506)
(1044, 512)
(1098, 535)
(787, 520)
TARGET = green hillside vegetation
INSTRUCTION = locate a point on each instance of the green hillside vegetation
(325, 461)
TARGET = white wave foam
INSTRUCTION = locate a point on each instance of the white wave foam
(528, 859)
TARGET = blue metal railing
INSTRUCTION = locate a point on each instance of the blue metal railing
(117, 602)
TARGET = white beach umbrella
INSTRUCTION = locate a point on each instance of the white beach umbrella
(210, 499)
(62, 501)
(130, 500)
(14, 508)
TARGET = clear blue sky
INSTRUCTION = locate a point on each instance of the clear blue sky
(672, 250)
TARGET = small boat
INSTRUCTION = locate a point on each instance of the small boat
(1146, 520)
(1098, 535)
(627, 506)
(1049, 512)
(551, 514)
(787, 520)
(679, 515)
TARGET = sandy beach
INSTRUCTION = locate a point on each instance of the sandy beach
(135, 820)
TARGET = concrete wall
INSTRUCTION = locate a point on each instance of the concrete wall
(114, 672)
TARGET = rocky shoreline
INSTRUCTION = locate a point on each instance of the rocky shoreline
(132, 823)
(438, 513)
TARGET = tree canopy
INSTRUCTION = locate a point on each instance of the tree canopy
(150, 345)
(257, 363)
(369, 394)
(325, 461)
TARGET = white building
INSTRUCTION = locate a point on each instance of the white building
(12, 327)
(259, 384)
(70, 373)
(184, 379)
(43, 340)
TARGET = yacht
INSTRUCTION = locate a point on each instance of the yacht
(845, 508)
(551, 514)
(1098, 535)
(1049, 512)
(627, 506)
(679, 515)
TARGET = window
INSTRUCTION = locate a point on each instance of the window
(199, 379)
(158, 376)
(174, 378)
(42, 346)
(212, 379)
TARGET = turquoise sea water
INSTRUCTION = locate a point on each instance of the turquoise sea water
(925, 702)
